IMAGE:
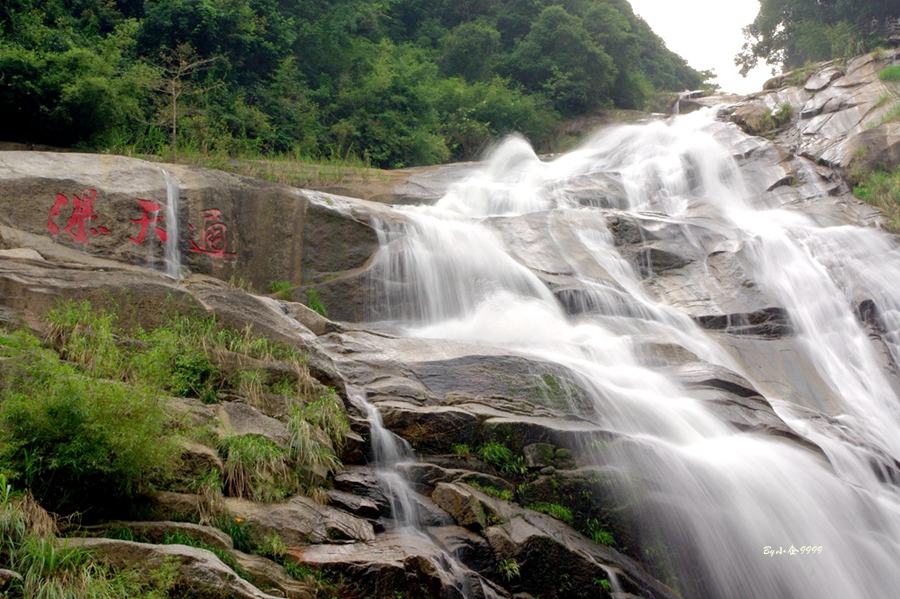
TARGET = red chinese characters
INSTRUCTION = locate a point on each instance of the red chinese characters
(78, 225)
(151, 216)
(214, 237)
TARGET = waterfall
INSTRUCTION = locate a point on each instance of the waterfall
(173, 252)
(390, 453)
(714, 503)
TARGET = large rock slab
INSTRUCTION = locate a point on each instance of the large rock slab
(233, 228)
(835, 106)
(410, 565)
(299, 521)
(200, 572)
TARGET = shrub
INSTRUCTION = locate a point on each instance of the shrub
(598, 534)
(85, 336)
(501, 456)
(78, 442)
(49, 568)
(193, 375)
(509, 569)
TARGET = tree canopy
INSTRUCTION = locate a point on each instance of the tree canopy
(396, 82)
(788, 33)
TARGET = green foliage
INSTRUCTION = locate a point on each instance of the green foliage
(255, 468)
(788, 33)
(495, 453)
(324, 79)
(560, 512)
(193, 375)
(559, 58)
(238, 533)
(509, 569)
(502, 457)
(890, 74)
(317, 430)
(493, 491)
(462, 450)
(315, 303)
(79, 442)
(882, 190)
(598, 534)
(281, 289)
(51, 569)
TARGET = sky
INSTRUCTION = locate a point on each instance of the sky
(707, 34)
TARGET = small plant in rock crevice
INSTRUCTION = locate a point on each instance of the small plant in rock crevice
(560, 512)
(281, 289)
(501, 456)
(315, 302)
(509, 569)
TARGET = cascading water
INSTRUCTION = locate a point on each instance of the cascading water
(390, 453)
(708, 499)
(173, 252)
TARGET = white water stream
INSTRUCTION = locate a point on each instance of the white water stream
(173, 237)
(710, 498)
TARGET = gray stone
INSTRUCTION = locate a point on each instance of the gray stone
(394, 563)
(238, 418)
(462, 504)
(198, 569)
(538, 455)
(7, 578)
(299, 521)
(156, 532)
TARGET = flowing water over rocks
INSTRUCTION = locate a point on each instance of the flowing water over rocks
(728, 345)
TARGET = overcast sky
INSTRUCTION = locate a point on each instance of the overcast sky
(706, 33)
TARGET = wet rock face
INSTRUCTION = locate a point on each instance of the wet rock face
(837, 111)
(229, 227)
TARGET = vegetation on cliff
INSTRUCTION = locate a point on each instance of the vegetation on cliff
(397, 82)
(90, 427)
(787, 34)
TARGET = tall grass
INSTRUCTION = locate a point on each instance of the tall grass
(50, 569)
(882, 190)
(79, 442)
(256, 468)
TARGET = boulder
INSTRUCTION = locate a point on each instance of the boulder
(463, 505)
(238, 418)
(299, 521)
(361, 481)
(408, 565)
(876, 149)
(200, 573)
(271, 577)
(157, 532)
(197, 460)
(8, 578)
(171, 505)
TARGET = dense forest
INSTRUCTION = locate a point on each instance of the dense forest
(393, 82)
(789, 33)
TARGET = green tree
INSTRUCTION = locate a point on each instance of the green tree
(468, 50)
(787, 33)
(559, 58)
